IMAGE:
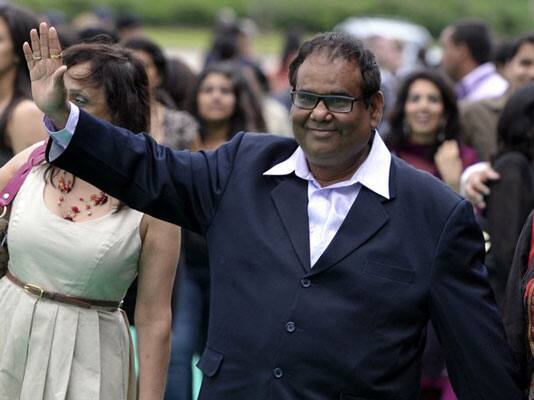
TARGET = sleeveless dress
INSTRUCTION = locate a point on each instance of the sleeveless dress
(52, 350)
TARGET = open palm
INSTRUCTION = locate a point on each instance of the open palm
(43, 57)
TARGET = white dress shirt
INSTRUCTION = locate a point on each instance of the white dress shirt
(328, 206)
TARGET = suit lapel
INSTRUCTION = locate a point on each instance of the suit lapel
(366, 217)
(291, 200)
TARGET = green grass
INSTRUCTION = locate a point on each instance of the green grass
(200, 39)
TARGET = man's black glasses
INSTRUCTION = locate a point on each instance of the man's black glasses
(334, 103)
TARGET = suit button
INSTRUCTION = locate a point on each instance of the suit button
(278, 373)
(290, 327)
(305, 283)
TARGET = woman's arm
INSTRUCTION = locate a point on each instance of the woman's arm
(25, 126)
(157, 268)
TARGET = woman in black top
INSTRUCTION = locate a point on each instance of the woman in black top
(512, 196)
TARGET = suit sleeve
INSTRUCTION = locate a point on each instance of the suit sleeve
(465, 316)
(180, 187)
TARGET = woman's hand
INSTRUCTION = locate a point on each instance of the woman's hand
(43, 57)
(449, 163)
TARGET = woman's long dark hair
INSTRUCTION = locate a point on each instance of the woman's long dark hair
(398, 137)
(515, 129)
(19, 22)
(247, 114)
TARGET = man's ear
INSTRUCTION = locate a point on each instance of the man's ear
(376, 108)
(463, 51)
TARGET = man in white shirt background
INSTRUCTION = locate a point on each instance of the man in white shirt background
(467, 52)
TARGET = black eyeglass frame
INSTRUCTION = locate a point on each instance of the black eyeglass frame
(325, 97)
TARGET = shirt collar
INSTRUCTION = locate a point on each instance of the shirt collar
(373, 173)
(477, 75)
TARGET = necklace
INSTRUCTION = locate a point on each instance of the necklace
(65, 187)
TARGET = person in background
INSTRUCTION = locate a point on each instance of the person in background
(232, 43)
(278, 79)
(479, 118)
(180, 81)
(518, 314)
(425, 127)
(222, 105)
(169, 126)
(424, 132)
(512, 196)
(20, 120)
(467, 54)
(79, 249)
(129, 25)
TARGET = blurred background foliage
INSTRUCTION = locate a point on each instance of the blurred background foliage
(507, 18)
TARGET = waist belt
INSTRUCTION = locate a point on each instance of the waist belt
(45, 294)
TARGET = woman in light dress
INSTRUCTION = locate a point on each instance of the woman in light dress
(68, 237)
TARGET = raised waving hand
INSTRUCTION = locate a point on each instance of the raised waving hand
(43, 57)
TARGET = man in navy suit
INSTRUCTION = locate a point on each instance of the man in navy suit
(328, 255)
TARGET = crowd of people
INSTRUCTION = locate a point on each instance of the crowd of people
(300, 237)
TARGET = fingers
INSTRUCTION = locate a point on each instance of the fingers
(57, 77)
(43, 33)
(36, 46)
(491, 174)
(474, 195)
(44, 44)
(477, 186)
(26, 48)
(55, 46)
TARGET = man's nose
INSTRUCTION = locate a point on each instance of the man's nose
(321, 112)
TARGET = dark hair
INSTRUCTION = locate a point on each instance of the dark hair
(292, 43)
(247, 114)
(515, 129)
(124, 80)
(144, 44)
(89, 33)
(19, 22)
(225, 44)
(503, 52)
(341, 45)
(517, 43)
(180, 82)
(127, 20)
(475, 34)
(141, 43)
(397, 137)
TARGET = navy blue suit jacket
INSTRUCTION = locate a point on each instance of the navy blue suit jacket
(352, 326)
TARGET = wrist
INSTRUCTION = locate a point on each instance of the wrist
(60, 117)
